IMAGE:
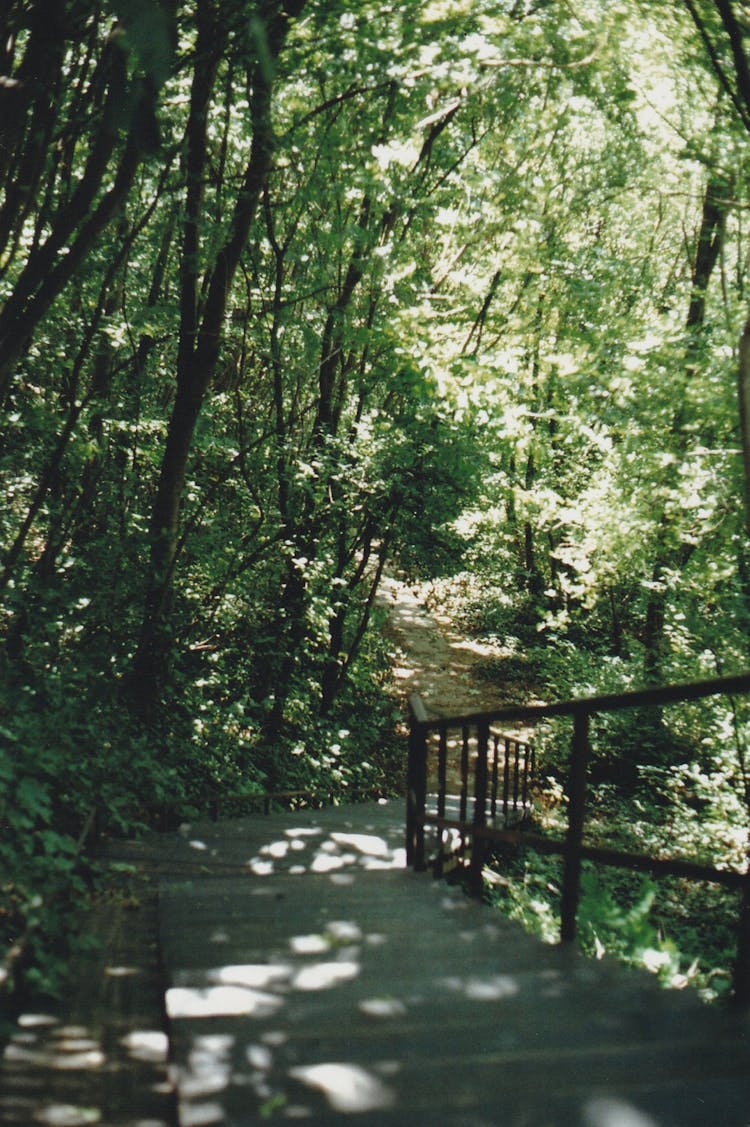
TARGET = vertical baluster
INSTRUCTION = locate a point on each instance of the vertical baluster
(463, 798)
(416, 794)
(480, 809)
(516, 773)
(495, 758)
(464, 772)
(442, 787)
(525, 786)
(506, 780)
(742, 961)
(576, 812)
(442, 766)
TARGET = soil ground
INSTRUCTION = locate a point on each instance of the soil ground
(433, 658)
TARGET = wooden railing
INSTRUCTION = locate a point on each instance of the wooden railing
(167, 814)
(475, 830)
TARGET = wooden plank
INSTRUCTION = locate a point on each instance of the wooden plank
(394, 998)
(99, 1055)
(312, 976)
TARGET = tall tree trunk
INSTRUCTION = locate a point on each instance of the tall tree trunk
(743, 394)
(78, 223)
(666, 556)
(200, 337)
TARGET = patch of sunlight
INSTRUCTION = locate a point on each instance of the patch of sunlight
(277, 849)
(368, 844)
(199, 845)
(309, 944)
(121, 972)
(304, 831)
(203, 1115)
(151, 1045)
(260, 868)
(491, 989)
(67, 1115)
(483, 649)
(209, 1066)
(347, 1087)
(35, 1021)
(256, 976)
(220, 1001)
(324, 976)
(373, 852)
(259, 1057)
(615, 1113)
(326, 863)
(402, 673)
(342, 879)
(343, 931)
(56, 1057)
(75, 1040)
(383, 1007)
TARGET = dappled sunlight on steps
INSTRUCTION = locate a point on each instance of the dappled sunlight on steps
(330, 983)
(310, 976)
(100, 1055)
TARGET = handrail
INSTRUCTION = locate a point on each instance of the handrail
(608, 702)
(480, 834)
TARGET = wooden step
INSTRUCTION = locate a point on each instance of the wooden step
(98, 1055)
(383, 995)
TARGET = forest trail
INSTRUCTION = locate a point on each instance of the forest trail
(432, 657)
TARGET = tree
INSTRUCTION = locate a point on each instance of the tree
(201, 323)
(293, 294)
(723, 32)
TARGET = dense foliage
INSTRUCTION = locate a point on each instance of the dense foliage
(296, 292)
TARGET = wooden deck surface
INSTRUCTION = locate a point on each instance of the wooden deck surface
(310, 977)
(98, 1055)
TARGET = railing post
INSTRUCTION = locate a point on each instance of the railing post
(464, 772)
(416, 786)
(742, 962)
(480, 809)
(495, 773)
(576, 807)
(441, 796)
(506, 780)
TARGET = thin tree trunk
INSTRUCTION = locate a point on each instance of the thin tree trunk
(200, 340)
(743, 394)
(666, 557)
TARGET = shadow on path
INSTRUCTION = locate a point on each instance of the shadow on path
(329, 983)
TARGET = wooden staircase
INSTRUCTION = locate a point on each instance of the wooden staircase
(310, 976)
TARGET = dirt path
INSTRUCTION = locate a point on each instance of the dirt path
(433, 659)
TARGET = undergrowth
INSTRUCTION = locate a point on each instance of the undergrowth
(682, 932)
(667, 782)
